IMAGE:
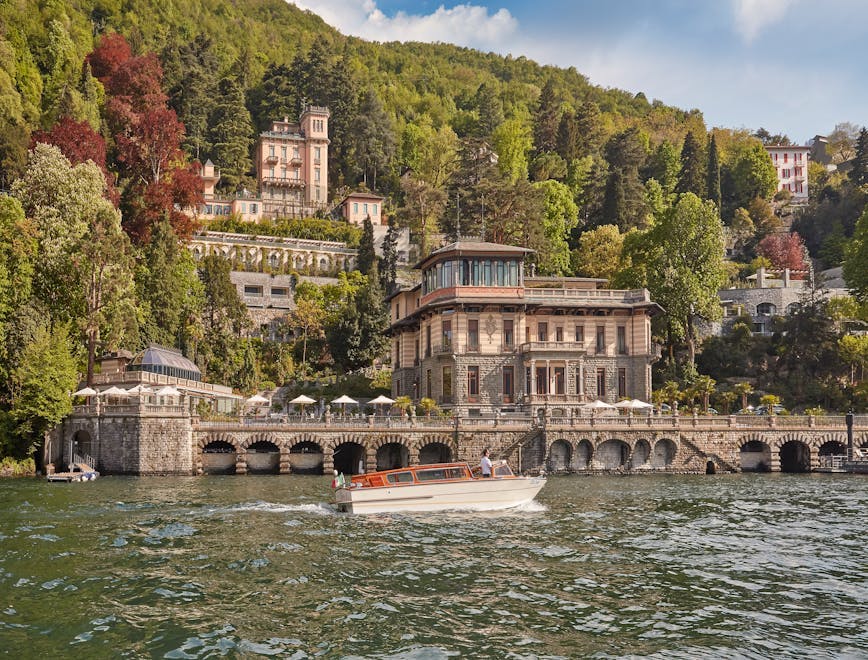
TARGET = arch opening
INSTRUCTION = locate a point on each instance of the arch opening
(82, 444)
(560, 455)
(664, 453)
(641, 454)
(392, 455)
(832, 448)
(219, 457)
(710, 468)
(755, 456)
(349, 458)
(584, 455)
(795, 457)
(435, 452)
(612, 454)
(263, 457)
(306, 458)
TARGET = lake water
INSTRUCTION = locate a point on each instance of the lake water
(679, 567)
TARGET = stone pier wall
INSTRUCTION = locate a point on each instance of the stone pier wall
(150, 440)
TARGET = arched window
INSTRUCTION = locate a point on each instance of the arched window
(766, 309)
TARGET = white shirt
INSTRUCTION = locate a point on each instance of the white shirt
(485, 463)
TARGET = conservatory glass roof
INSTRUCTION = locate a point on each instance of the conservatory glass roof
(166, 361)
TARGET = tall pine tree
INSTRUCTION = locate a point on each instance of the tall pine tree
(389, 263)
(859, 173)
(691, 178)
(546, 119)
(713, 173)
(367, 255)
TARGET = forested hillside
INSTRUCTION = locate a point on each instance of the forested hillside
(106, 105)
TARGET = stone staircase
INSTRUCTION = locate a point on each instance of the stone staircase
(528, 451)
(710, 456)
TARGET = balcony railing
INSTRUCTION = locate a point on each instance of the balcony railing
(283, 181)
(271, 159)
(533, 346)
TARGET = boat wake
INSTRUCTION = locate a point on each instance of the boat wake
(318, 508)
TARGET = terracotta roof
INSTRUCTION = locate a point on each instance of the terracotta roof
(362, 195)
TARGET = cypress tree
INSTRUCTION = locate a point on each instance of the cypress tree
(389, 263)
(691, 178)
(367, 255)
(546, 119)
(859, 173)
(714, 173)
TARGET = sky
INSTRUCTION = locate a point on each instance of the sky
(796, 67)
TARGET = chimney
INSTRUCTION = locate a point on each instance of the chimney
(786, 278)
(761, 277)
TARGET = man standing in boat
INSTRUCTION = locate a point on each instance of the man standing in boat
(485, 463)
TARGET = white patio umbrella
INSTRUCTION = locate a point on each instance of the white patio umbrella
(633, 404)
(301, 401)
(257, 399)
(381, 400)
(140, 389)
(168, 390)
(85, 391)
(596, 404)
(343, 400)
(114, 390)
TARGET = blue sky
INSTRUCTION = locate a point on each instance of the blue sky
(791, 66)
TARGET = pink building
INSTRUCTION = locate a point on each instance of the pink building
(245, 204)
(356, 206)
(791, 165)
(292, 165)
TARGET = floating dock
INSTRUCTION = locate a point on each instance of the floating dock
(79, 472)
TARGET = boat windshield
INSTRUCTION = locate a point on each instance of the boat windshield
(502, 470)
(440, 474)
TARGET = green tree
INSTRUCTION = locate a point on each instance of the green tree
(512, 142)
(853, 350)
(367, 256)
(623, 203)
(560, 216)
(686, 270)
(169, 291)
(489, 108)
(692, 177)
(591, 128)
(753, 176)
(388, 265)
(308, 316)
(423, 205)
(856, 260)
(859, 172)
(664, 166)
(546, 119)
(743, 390)
(713, 173)
(358, 335)
(704, 386)
(40, 387)
(374, 137)
(599, 252)
(229, 132)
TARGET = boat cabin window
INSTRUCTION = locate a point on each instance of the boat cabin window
(440, 474)
(400, 478)
(502, 471)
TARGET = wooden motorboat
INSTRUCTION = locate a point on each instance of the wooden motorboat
(435, 487)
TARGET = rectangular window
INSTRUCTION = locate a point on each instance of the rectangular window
(542, 380)
(295, 152)
(473, 335)
(527, 380)
(398, 391)
(559, 333)
(252, 290)
(375, 209)
(316, 175)
(580, 334)
(279, 291)
(416, 352)
(473, 384)
(447, 384)
(254, 208)
(355, 208)
(785, 157)
(283, 152)
(559, 380)
(508, 334)
(622, 340)
(508, 384)
(601, 339)
(428, 341)
(316, 154)
(579, 386)
(446, 328)
(542, 331)
(601, 382)
(271, 150)
(428, 383)
(365, 211)
(622, 382)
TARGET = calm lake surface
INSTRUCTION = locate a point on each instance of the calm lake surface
(680, 567)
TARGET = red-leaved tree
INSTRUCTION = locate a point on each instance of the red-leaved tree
(784, 251)
(79, 143)
(158, 181)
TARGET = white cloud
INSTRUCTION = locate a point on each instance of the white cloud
(464, 24)
(753, 16)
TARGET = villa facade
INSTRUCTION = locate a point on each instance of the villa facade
(479, 337)
(791, 166)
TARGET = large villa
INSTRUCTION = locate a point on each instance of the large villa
(478, 336)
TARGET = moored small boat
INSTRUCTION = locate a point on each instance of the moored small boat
(435, 487)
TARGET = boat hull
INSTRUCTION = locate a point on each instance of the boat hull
(470, 495)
